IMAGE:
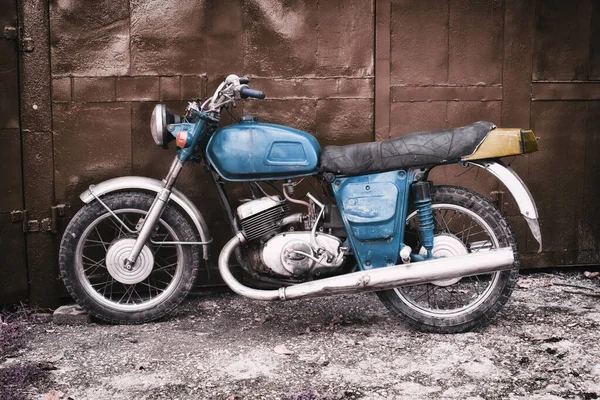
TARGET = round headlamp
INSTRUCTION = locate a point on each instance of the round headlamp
(161, 117)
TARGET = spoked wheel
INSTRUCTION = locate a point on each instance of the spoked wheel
(465, 222)
(96, 245)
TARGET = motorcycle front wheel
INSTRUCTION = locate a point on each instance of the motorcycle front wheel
(465, 222)
(96, 243)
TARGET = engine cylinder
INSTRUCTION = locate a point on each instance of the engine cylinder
(261, 217)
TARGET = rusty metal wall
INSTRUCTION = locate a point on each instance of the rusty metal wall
(113, 60)
(346, 71)
(28, 263)
(517, 64)
(13, 266)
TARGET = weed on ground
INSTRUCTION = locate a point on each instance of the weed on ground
(17, 379)
(11, 339)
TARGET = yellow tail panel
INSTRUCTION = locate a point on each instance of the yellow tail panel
(502, 142)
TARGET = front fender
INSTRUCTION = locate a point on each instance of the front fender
(520, 192)
(152, 185)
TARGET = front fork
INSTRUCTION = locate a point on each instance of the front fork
(155, 212)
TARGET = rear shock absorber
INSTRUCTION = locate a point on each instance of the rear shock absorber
(422, 200)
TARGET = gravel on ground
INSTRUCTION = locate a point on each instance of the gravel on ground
(543, 345)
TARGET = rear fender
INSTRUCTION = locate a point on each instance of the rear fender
(152, 185)
(518, 189)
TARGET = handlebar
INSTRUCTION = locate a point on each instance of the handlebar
(246, 92)
(232, 88)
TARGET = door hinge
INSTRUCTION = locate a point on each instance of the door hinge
(49, 224)
(10, 32)
(27, 44)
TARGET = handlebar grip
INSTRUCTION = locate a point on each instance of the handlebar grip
(246, 92)
(244, 80)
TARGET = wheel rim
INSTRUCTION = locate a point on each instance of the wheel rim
(99, 268)
(453, 223)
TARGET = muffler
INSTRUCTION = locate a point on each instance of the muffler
(375, 279)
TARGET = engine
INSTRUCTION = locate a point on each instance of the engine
(286, 252)
(262, 217)
(292, 254)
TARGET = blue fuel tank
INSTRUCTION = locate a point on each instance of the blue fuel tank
(253, 151)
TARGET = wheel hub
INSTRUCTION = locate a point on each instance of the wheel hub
(445, 246)
(116, 258)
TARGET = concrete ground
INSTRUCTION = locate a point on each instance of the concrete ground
(543, 345)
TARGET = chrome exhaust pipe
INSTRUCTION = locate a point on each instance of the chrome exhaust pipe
(375, 279)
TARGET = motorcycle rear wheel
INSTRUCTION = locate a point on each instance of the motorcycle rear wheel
(466, 222)
(95, 245)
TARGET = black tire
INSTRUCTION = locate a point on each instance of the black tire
(407, 303)
(92, 234)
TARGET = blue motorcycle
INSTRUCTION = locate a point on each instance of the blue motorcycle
(441, 258)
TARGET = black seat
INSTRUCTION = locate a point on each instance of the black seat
(412, 150)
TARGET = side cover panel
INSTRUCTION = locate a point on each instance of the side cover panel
(373, 208)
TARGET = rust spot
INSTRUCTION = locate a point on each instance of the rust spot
(363, 280)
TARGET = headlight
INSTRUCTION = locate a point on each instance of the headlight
(161, 117)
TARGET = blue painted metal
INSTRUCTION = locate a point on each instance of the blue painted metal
(196, 132)
(418, 257)
(373, 208)
(255, 151)
(426, 224)
(174, 130)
